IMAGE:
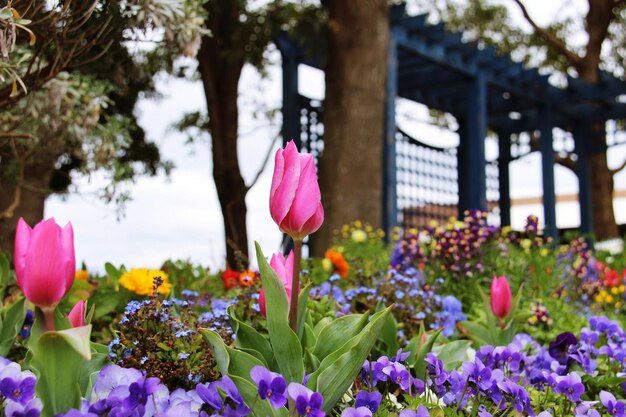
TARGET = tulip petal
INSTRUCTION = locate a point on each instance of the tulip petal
(315, 221)
(306, 202)
(22, 240)
(69, 257)
(284, 182)
(262, 303)
(44, 284)
(77, 315)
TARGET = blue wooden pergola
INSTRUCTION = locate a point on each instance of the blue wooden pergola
(482, 90)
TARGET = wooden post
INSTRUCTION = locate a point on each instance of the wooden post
(547, 169)
(471, 157)
(504, 179)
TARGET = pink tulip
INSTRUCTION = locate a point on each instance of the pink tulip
(44, 261)
(500, 297)
(77, 315)
(284, 269)
(295, 199)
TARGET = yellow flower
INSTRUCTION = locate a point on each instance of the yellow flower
(614, 290)
(526, 243)
(327, 265)
(142, 281)
(544, 252)
(359, 236)
(609, 299)
(81, 275)
(433, 223)
(506, 230)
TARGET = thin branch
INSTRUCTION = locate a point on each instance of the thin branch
(8, 212)
(13, 135)
(619, 168)
(566, 162)
(550, 38)
(265, 161)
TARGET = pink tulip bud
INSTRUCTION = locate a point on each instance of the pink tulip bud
(295, 199)
(77, 315)
(44, 261)
(284, 269)
(500, 297)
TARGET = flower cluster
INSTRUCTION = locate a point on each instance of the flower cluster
(161, 337)
(388, 375)
(455, 248)
(530, 237)
(235, 279)
(17, 391)
(540, 314)
(414, 301)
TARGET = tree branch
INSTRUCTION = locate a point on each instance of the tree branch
(8, 212)
(550, 38)
(566, 162)
(619, 168)
(265, 161)
(13, 135)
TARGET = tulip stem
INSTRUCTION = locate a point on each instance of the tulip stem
(48, 316)
(295, 285)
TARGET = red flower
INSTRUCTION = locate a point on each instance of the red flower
(230, 278)
(611, 278)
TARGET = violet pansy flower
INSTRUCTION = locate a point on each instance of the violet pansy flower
(272, 386)
(308, 403)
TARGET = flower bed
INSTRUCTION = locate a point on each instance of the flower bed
(457, 319)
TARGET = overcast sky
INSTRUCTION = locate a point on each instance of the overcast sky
(179, 217)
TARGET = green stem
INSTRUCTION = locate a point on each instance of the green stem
(295, 285)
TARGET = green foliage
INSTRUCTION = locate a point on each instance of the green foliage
(60, 358)
(162, 338)
(342, 343)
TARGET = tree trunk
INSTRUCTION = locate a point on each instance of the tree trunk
(602, 185)
(351, 166)
(604, 224)
(220, 74)
(32, 195)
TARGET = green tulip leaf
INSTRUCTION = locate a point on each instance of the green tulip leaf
(389, 336)
(249, 338)
(337, 333)
(219, 349)
(303, 300)
(453, 354)
(424, 345)
(11, 324)
(285, 343)
(57, 359)
(339, 369)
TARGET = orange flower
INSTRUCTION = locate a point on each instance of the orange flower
(338, 261)
(246, 278)
(230, 278)
(81, 275)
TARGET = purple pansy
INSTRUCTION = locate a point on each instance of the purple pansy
(368, 399)
(571, 386)
(308, 403)
(356, 412)
(30, 409)
(272, 386)
(614, 407)
(420, 412)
